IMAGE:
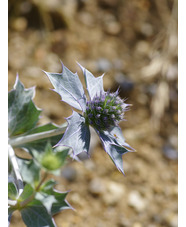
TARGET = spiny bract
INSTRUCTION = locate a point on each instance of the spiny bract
(102, 110)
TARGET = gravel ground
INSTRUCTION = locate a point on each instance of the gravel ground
(135, 44)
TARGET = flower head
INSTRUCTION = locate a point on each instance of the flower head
(105, 110)
(102, 110)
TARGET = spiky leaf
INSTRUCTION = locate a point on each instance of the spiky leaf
(54, 200)
(30, 171)
(22, 112)
(36, 215)
(27, 191)
(12, 191)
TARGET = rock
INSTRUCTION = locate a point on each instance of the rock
(142, 48)
(96, 187)
(113, 28)
(69, 173)
(172, 72)
(110, 192)
(146, 29)
(20, 24)
(169, 152)
(157, 218)
(118, 64)
(142, 99)
(114, 193)
(111, 25)
(69, 8)
(76, 198)
(90, 165)
(173, 220)
(123, 222)
(103, 65)
(87, 19)
(137, 224)
(136, 201)
(125, 84)
(170, 218)
(25, 7)
(173, 140)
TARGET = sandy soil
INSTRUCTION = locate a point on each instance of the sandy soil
(135, 43)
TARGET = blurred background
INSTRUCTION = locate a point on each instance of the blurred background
(135, 43)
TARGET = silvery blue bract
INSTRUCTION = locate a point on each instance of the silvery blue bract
(69, 87)
(77, 135)
(102, 110)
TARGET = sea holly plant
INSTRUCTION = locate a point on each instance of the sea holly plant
(48, 147)
(101, 110)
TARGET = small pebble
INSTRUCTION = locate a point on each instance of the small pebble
(76, 198)
(87, 19)
(172, 72)
(170, 152)
(137, 224)
(147, 29)
(96, 186)
(114, 193)
(20, 24)
(113, 28)
(90, 165)
(173, 140)
(136, 201)
(142, 48)
(170, 218)
(124, 222)
(124, 83)
(103, 65)
(69, 173)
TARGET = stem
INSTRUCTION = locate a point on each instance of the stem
(15, 166)
(42, 180)
(31, 197)
(19, 140)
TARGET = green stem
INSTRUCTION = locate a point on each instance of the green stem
(19, 140)
(15, 166)
(31, 197)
